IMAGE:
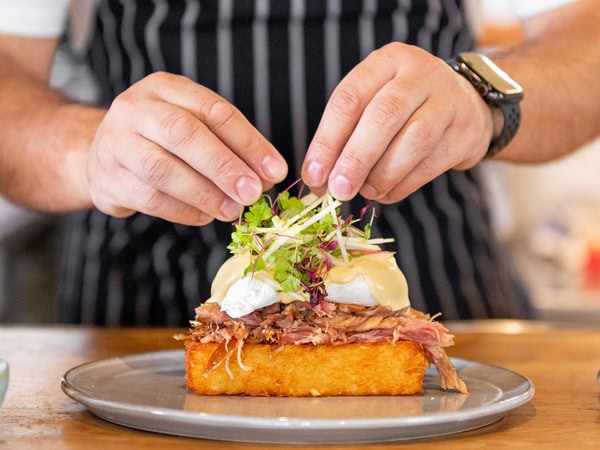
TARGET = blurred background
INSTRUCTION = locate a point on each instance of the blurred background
(547, 215)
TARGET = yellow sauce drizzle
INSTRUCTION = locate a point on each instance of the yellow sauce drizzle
(380, 272)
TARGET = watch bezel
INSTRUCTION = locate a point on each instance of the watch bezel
(500, 87)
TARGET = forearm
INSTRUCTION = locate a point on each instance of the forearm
(558, 71)
(44, 142)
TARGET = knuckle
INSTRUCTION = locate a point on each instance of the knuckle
(218, 113)
(420, 137)
(151, 83)
(105, 197)
(204, 202)
(190, 215)
(386, 199)
(104, 202)
(326, 145)
(159, 78)
(156, 169)
(392, 197)
(255, 143)
(428, 168)
(352, 163)
(178, 129)
(123, 103)
(346, 101)
(223, 167)
(386, 49)
(113, 210)
(382, 55)
(382, 180)
(204, 197)
(384, 111)
(201, 218)
(151, 199)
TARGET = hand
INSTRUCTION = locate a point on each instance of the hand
(399, 119)
(171, 148)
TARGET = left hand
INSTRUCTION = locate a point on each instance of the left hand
(398, 119)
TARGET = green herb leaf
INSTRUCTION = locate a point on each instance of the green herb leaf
(298, 240)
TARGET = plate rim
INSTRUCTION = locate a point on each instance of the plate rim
(217, 421)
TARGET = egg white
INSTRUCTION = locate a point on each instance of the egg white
(249, 294)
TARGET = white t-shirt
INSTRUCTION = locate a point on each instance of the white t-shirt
(33, 18)
(47, 18)
(528, 8)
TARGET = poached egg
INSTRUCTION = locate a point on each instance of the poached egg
(368, 280)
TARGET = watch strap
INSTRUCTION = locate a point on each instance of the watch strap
(511, 113)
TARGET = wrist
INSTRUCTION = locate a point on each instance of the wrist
(76, 142)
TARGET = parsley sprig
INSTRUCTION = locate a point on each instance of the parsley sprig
(299, 239)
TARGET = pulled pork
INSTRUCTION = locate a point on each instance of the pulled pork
(329, 323)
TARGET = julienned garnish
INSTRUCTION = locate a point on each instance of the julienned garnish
(309, 305)
(299, 241)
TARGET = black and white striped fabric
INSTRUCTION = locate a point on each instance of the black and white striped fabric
(277, 60)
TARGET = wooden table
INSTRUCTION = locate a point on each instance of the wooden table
(561, 361)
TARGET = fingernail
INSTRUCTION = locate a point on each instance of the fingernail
(230, 209)
(314, 174)
(273, 168)
(341, 188)
(248, 190)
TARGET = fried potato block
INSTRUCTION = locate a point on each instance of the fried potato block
(308, 370)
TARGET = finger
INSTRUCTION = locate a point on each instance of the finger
(374, 135)
(442, 135)
(160, 204)
(164, 172)
(424, 149)
(341, 115)
(425, 171)
(138, 196)
(179, 132)
(246, 142)
(225, 121)
(417, 141)
(121, 181)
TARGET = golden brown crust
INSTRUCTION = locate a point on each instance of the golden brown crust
(307, 370)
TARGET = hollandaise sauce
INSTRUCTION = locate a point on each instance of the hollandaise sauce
(378, 271)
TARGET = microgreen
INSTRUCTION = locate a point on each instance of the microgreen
(300, 239)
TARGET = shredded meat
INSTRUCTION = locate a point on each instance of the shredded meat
(329, 323)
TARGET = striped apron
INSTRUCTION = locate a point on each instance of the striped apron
(277, 61)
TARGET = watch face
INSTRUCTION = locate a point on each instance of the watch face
(496, 77)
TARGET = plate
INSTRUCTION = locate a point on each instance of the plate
(3, 379)
(148, 392)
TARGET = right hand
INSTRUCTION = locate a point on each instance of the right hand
(173, 149)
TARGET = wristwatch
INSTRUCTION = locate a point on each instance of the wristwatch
(497, 89)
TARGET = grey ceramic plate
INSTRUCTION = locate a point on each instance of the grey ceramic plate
(3, 379)
(147, 391)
